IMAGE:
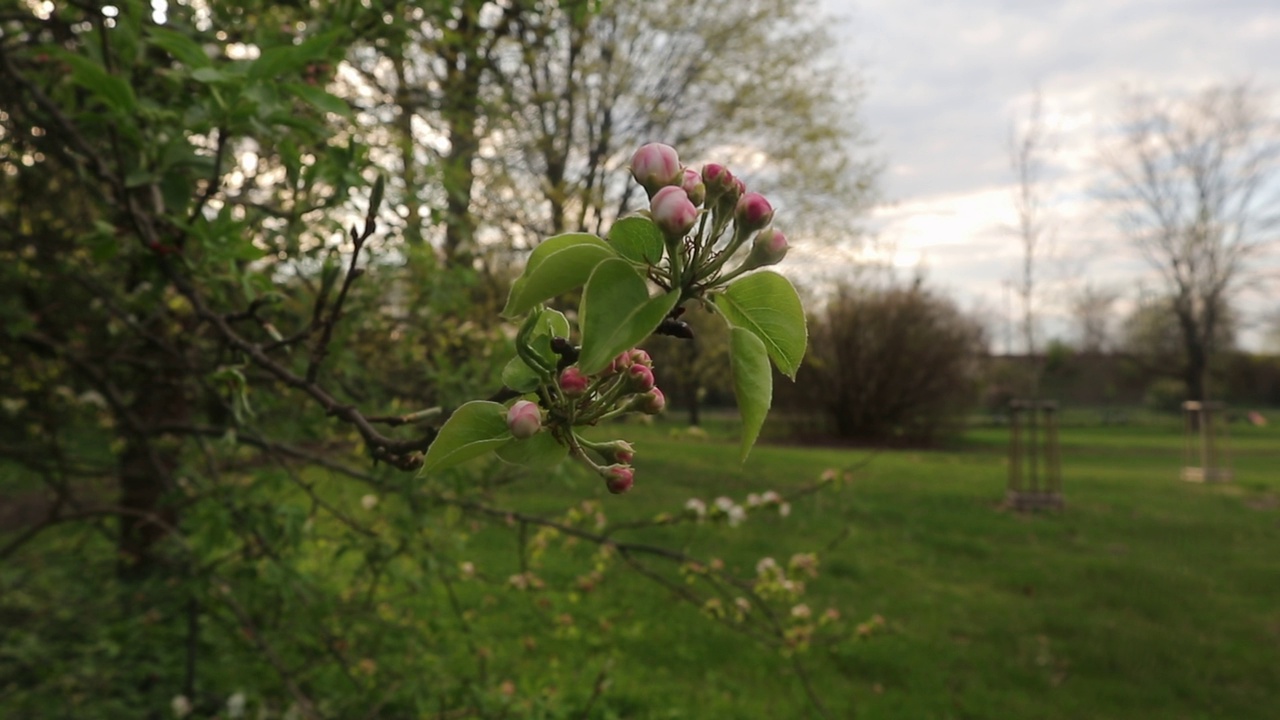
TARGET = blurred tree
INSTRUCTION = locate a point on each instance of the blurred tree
(1092, 308)
(515, 119)
(1193, 183)
(1152, 333)
(888, 364)
(212, 368)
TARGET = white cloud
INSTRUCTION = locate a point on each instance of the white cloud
(947, 79)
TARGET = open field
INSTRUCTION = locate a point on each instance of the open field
(1148, 597)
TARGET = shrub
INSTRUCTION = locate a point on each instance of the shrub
(889, 364)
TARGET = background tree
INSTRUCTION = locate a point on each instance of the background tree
(895, 363)
(1193, 185)
(217, 377)
(1028, 145)
(1092, 309)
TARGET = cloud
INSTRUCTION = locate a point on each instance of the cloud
(946, 81)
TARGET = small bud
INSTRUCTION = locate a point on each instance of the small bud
(573, 382)
(650, 403)
(619, 364)
(656, 166)
(618, 451)
(641, 378)
(673, 212)
(769, 247)
(524, 419)
(618, 478)
(752, 213)
(693, 186)
(716, 177)
(640, 357)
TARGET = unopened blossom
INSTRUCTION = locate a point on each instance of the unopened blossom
(691, 182)
(655, 166)
(736, 515)
(673, 212)
(618, 478)
(752, 213)
(717, 178)
(766, 564)
(573, 381)
(650, 403)
(524, 419)
(640, 377)
(640, 357)
(768, 248)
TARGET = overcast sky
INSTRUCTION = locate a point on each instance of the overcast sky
(946, 80)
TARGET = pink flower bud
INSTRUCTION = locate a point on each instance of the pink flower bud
(655, 166)
(618, 451)
(524, 419)
(640, 357)
(693, 186)
(619, 364)
(573, 382)
(673, 212)
(641, 378)
(650, 403)
(752, 213)
(618, 478)
(769, 247)
(716, 177)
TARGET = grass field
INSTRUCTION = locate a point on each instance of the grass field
(1148, 597)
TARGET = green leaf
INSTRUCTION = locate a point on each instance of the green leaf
(767, 304)
(558, 265)
(549, 323)
(752, 383)
(540, 452)
(518, 376)
(617, 312)
(111, 89)
(180, 46)
(637, 239)
(471, 431)
(320, 99)
(208, 75)
(282, 60)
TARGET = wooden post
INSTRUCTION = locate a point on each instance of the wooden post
(1039, 452)
(1200, 431)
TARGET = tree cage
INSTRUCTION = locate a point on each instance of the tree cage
(1206, 447)
(1035, 466)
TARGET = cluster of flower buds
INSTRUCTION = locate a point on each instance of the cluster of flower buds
(625, 385)
(716, 204)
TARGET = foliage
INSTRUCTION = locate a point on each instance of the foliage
(218, 369)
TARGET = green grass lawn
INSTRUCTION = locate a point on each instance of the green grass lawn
(1147, 597)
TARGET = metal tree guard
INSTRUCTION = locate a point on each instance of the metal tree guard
(1029, 488)
(1206, 447)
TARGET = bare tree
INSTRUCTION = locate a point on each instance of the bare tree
(1028, 144)
(1091, 308)
(1194, 184)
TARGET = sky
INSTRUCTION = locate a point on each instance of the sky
(947, 79)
